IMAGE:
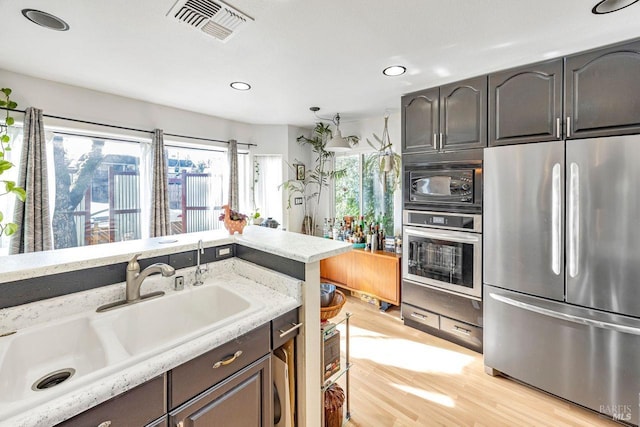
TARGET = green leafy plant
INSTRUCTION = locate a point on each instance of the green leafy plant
(317, 178)
(389, 162)
(10, 187)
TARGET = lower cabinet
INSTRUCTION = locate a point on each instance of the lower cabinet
(242, 400)
(142, 405)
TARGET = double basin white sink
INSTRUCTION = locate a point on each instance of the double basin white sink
(91, 345)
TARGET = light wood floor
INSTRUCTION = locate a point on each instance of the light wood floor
(405, 377)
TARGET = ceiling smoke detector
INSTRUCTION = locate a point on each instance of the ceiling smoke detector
(608, 6)
(45, 19)
(214, 18)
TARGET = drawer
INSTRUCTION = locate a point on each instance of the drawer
(445, 303)
(137, 407)
(464, 332)
(421, 316)
(284, 328)
(197, 375)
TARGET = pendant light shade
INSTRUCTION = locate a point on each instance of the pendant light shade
(337, 144)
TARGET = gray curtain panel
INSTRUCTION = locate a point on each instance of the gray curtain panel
(160, 223)
(233, 174)
(32, 215)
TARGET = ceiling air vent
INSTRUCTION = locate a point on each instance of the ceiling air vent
(214, 18)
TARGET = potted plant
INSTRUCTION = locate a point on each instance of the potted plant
(310, 187)
(233, 221)
(256, 219)
(10, 187)
(389, 163)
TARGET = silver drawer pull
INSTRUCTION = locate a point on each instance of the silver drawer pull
(418, 316)
(293, 327)
(460, 330)
(225, 362)
(104, 424)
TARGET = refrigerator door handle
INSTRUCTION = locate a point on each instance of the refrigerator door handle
(574, 219)
(558, 128)
(564, 316)
(556, 219)
(435, 141)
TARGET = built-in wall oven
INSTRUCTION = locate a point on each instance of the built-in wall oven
(444, 250)
(442, 245)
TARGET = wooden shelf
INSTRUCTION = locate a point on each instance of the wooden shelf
(373, 273)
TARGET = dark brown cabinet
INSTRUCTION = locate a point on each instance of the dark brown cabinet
(242, 400)
(525, 104)
(137, 407)
(448, 118)
(463, 115)
(603, 92)
(420, 121)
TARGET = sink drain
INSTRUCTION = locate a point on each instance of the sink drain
(52, 379)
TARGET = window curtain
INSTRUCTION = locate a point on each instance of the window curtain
(233, 174)
(160, 223)
(267, 191)
(32, 215)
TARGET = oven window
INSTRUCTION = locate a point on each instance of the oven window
(442, 186)
(441, 260)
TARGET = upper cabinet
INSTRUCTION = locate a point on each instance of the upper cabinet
(603, 92)
(463, 115)
(525, 104)
(420, 121)
(449, 118)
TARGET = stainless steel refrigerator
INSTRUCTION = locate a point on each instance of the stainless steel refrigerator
(562, 269)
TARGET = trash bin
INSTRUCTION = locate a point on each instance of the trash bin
(333, 402)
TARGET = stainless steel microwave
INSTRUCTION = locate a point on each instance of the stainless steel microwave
(449, 182)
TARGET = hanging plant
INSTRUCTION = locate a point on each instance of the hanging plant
(10, 187)
(389, 163)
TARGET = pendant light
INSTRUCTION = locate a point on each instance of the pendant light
(337, 144)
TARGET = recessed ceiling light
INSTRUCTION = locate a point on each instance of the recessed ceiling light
(45, 19)
(394, 70)
(608, 6)
(240, 86)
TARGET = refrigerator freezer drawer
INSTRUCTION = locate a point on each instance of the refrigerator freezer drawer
(585, 356)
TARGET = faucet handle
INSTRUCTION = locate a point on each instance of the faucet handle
(133, 263)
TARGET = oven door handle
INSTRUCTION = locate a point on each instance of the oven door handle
(453, 236)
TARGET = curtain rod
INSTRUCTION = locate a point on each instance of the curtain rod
(132, 129)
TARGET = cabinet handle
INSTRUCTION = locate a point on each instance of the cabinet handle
(440, 141)
(291, 329)
(568, 126)
(558, 128)
(104, 424)
(230, 359)
(435, 141)
(418, 316)
(180, 424)
(460, 330)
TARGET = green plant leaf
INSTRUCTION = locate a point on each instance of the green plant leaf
(5, 165)
(6, 91)
(12, 105)
(3, 103)
(9, 185)
(7, 148)
(20, 193)
(10, 121)
(1, 216)
(5, 138)
(10, 228)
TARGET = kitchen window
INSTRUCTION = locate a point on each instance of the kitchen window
(361, 190)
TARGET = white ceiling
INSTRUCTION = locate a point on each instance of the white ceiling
(298, 53)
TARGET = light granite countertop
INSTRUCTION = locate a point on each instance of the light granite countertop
(295, 246)
(276, 294)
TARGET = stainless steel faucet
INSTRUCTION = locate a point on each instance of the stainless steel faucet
(135, 277)
(199, 270)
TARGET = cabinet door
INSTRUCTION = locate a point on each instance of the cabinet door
(376, 275)
(603, 92)
(137, 407)
(525, 104)
(420, 121)
(242, 400)
(463, 115)
(336, 268)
